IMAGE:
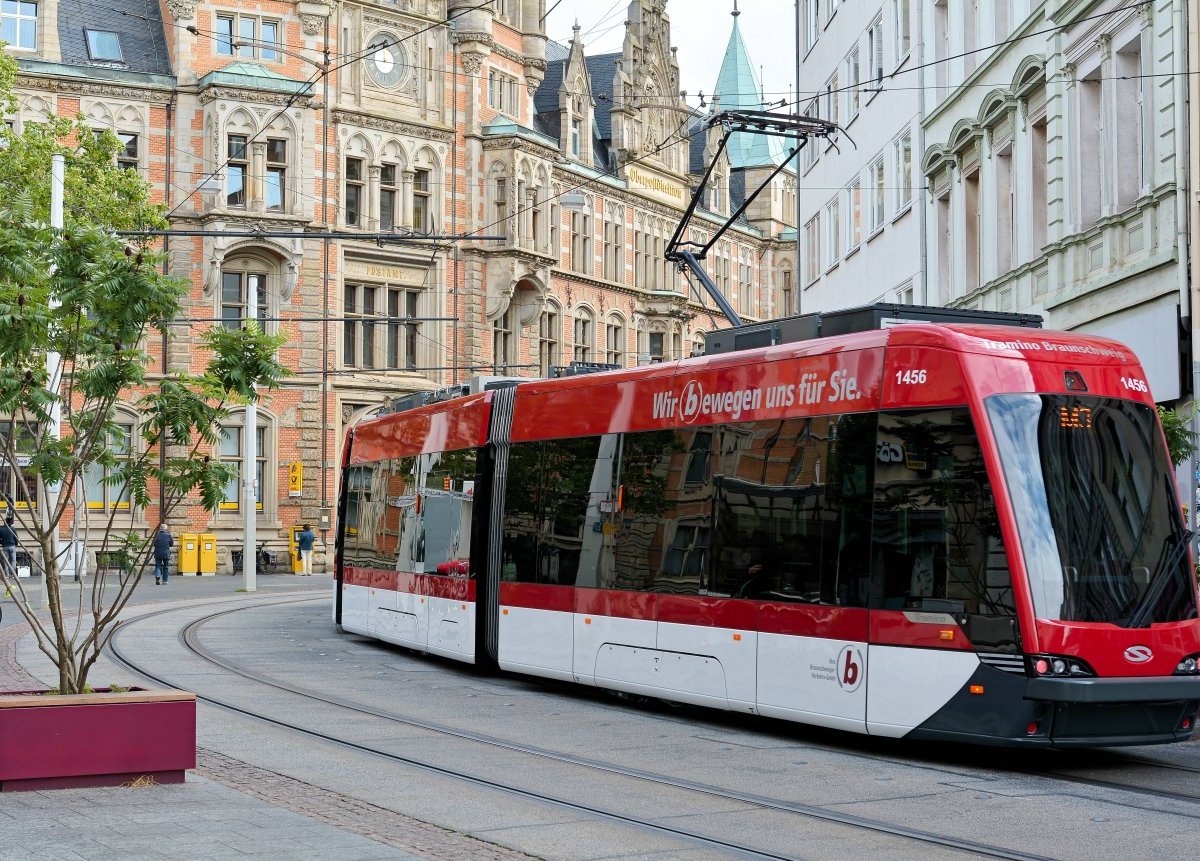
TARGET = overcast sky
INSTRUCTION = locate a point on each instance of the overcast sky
(700, 29)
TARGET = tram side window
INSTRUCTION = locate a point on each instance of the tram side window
(936, 536)
(357, 487)
(793, 502)
(656, 538)
(432, 504)
(547, 501)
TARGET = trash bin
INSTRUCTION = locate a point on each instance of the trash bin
(189, 553)
(208, 553)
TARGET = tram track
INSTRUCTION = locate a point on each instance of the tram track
(189, 637)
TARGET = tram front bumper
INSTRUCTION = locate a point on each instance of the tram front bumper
(1090, 712)
(1092, 690)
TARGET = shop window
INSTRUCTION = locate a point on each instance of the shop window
(18, 489)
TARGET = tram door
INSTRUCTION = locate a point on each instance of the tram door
(793, 523)
(939, 567)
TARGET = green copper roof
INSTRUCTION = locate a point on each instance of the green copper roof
(738, 88)
(252, 75)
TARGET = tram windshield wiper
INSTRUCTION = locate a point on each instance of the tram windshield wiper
(1162, 577)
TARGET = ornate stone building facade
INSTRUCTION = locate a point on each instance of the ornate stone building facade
(259, 123)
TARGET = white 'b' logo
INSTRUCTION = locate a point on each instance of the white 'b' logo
(689, 402)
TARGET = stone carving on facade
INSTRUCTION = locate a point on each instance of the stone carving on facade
(218, 248)
(369, 121)
(504, 275)
(314, 14)
(182, 10)
(89, 88)
(222, 94)
(480, 37)
(472, 63)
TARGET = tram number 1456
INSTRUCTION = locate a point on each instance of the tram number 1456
(911, 377)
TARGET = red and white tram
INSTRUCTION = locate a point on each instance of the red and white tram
(925, 531)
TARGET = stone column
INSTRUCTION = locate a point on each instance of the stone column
(406, 197)
(255, 186)
(372, 202)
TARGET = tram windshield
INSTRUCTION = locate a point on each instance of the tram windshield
(1094, 499)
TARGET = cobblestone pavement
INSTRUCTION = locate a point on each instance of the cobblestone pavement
(347, 813)
(226, 809)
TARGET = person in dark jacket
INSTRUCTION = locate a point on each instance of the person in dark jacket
(8, 547)
(163, 542)
(304, 547)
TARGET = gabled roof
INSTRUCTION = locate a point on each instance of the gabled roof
(137, 24)
(602, 69)
(738, 88)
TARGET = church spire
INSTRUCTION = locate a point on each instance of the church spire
(738, 88)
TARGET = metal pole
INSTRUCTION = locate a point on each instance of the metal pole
(250, 465)
(53, 378)
(797, 276)
(325, 282)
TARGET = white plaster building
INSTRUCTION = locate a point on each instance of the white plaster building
(1055, 167)
(859, 202)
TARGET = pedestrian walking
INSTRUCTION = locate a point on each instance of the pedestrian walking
(304, 548)
(8, 547)
(163, 542)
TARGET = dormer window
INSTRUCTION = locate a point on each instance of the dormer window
(104, 46)
(576, 135)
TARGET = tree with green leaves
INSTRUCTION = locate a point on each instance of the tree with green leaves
(1177, 427)
(95, 301)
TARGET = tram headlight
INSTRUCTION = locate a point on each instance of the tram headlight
(1058, 666)
(1189, 666)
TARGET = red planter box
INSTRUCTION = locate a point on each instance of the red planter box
(100, 739)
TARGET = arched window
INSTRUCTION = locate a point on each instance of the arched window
(241, 274)
(614, 341)
(355, 205)
(105, 484)
(585, 336)
(504, 339)
(697, 343)
(549, 334)
(426, 215)
(232, 452)
(787, 298)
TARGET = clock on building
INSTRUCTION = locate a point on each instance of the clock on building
(385, 63)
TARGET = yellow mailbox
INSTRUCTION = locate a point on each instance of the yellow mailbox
(208, 553)
(189, 553)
